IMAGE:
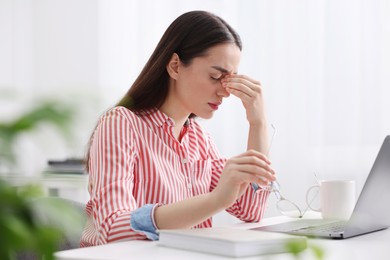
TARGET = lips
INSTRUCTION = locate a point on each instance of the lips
(215, 106)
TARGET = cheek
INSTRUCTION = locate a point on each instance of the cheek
(204, 84)
(197, 86)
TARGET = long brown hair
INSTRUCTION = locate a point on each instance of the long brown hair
(189, 36)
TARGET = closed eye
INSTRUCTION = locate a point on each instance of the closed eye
(216, 78)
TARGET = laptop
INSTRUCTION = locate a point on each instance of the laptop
(371, 212)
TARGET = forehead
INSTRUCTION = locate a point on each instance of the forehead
(225, 56)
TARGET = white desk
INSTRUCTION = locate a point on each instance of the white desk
(375, 246)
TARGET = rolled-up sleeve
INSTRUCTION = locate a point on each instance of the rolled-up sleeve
(142, 219)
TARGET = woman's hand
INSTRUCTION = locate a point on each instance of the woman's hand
(239, 172)
(250, 93)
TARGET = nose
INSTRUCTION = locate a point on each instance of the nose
(221, 92)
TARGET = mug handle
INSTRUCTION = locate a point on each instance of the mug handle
(307, 198)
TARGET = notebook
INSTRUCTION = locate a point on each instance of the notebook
(371, 212)
(230, 242)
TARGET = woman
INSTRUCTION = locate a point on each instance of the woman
(151, 165)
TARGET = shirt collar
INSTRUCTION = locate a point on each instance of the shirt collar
(159, 118)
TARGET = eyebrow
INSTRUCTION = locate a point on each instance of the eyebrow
(223, 70)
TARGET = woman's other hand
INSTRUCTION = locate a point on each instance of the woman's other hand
(239, 172)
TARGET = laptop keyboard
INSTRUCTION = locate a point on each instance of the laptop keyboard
(334, 227)
(309, 227)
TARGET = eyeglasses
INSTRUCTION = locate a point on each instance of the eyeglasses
(285, 207)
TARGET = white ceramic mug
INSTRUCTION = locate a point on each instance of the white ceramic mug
(337, 198)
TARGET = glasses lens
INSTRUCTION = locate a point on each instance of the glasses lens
(288, 209)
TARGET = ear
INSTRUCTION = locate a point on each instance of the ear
(173, 66)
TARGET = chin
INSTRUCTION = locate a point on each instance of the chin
(205, 115)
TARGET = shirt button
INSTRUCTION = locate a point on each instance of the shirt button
(185, 160)
(189, 186)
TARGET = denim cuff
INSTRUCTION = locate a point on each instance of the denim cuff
(142, 219)
(257, 189)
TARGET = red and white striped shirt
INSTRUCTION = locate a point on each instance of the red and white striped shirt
(135, 160)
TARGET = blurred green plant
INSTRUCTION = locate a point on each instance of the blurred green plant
(32, 225)
(50, 112)
(296, 247)
(23, 231)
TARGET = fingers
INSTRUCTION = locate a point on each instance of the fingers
(254, 164)
(239, 171)
(256, 154)
(257, 164)
(250, 92)
(259, 172)
(237, 76)
(241, 85)
(251, 178)
(242, 78)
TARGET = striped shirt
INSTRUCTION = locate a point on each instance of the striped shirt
(136, 160)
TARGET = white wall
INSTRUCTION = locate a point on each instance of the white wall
(49, 49)
(324, 65)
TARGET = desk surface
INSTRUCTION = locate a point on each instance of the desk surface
(375, 245)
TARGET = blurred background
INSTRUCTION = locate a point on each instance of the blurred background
(324, 66)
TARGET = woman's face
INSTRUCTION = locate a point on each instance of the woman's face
(198, 87)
